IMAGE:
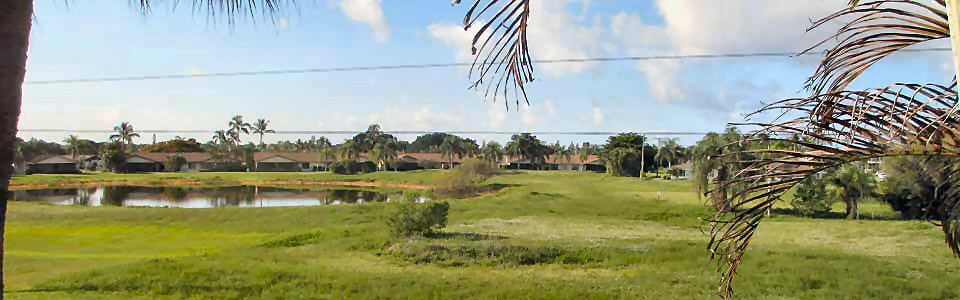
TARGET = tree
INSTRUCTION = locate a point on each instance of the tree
(451, 146)
(668, 151)
(584, 153)
(123, 135)
(850, 184)
(811, 197)
(175, 145)
(260, 127)
(529, 147)
(915, 184)
(624, 153)
(492, 152)
(384, 152)
(237, 126)
(469, 148)
(349, 150)
(72, 142)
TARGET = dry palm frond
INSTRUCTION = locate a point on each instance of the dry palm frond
(904, 119)
(501, 54)
(875, 30)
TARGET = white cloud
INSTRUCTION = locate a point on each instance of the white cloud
(558, 34)
(598, 116)
(528, 116)
(370, 12)
(282, 24)
(496, 115)
(455, 37)
(549, 108)
(548, 19)
(716, 27)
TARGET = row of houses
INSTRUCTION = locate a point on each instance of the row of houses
(288, 162)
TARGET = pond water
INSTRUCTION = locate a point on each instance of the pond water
(202, 197)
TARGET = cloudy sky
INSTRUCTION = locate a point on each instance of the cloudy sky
(93, 39)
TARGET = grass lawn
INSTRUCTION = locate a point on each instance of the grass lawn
(549, 235)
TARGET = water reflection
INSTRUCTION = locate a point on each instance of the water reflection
(200, 197)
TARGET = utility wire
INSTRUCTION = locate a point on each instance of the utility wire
(397, 132)
(438, 65)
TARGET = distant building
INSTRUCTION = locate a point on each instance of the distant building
(53, 164)
(289, 162)
(684, 170)
(593, 163)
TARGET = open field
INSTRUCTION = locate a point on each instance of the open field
(548, 235)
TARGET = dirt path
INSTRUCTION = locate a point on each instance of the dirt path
(191, 182)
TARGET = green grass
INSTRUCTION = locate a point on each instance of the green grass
(548, 235)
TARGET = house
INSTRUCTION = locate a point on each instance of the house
(289, 162)
(53, 164)
(145, 162)
(89, 162)
(427, 161)
(206, 162)
(684, 170)
(556, 162)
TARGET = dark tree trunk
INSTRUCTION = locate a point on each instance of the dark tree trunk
(14, 39)
(853, 210)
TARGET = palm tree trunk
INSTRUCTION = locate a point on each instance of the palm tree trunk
(641, 161)
(15, 25)
(853, 210)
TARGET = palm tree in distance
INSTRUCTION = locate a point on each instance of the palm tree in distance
(492, 152)
(124, 134)
(237, 126)
(73, 145)
(584, 153)
(260, 127)
(667, 151)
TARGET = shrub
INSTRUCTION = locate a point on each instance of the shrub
(811, 197)
(174, 163)
(466, 179)
(351, 167)
(411, 218)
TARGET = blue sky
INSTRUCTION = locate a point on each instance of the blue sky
(100, 39)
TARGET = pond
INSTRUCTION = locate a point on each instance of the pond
(202, 197)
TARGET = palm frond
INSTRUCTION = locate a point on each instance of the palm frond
(229, 9)
(903, 119)
(878, 29)
(501, 54)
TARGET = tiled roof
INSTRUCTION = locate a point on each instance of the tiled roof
(44, 159)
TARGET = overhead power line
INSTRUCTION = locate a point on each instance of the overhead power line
(437, 65)
(396, 132)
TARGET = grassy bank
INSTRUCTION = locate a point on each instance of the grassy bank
(549, 235)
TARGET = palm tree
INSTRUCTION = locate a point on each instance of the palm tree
(349, 150)
(492, 152)
(237, 126)
(124, 134)
(452, 145)
(668, 151)
(260, 128)
(584, 153)
(73, 144)
(568, 152)
(383, 152)
(850, 184)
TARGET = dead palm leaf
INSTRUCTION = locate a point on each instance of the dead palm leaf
(874, 30)
(501, 54)
(903, 119)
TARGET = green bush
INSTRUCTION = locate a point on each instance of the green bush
(466, 179)
(351, 167)
(811, 197)
(411, 218)
(174, 163)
